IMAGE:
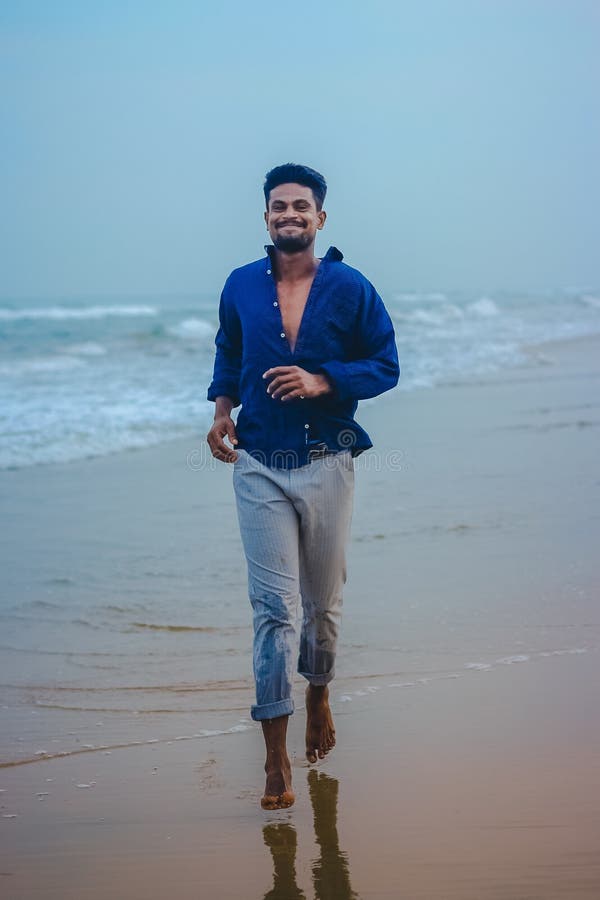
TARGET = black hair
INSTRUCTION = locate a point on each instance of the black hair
(291, 173)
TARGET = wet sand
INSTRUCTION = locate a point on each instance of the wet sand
(467, 762)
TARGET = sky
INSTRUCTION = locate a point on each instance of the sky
(460, 140)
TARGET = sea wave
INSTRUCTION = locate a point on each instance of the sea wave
(193, 329)
(57, 363)
(485, 307)
(203, 629)
(107, 748)
(94, 380)
(86, 348)
(76, 312)
(438, 316)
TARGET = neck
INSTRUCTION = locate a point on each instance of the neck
(296, 266)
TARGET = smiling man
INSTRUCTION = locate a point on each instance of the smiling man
(301, 340)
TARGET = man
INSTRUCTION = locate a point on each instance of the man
(300, 341)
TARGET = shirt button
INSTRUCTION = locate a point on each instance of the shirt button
(275, 303)
(268, 271)
(307, 425)
(283, 334)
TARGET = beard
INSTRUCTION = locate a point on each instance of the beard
(295, 243)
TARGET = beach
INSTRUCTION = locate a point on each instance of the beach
(465, 697)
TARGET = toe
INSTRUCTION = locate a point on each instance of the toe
(280, 801)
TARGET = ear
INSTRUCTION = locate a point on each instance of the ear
(266, 215)
(321, 216)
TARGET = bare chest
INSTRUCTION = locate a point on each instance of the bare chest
(292, 302)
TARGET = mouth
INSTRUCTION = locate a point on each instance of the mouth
(291, 225)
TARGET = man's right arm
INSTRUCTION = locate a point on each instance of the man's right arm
(223, 426)
(224, 387)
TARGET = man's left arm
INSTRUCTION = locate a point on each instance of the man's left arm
(375, 368)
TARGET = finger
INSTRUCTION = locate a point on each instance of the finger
(220, 450)
(231, 433)
(278, 370)
(228, 457)
(287, 383)
(281, 379)
(285, 389)
(296, 394)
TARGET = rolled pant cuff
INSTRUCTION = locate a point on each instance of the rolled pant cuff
(272, 710)
(318, 680)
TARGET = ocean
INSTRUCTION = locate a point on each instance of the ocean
(84, 379)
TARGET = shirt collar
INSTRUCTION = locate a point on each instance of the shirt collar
(332, 255)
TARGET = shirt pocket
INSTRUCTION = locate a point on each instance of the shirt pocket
(339, 326)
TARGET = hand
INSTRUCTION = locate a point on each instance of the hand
(294, 383)
(222, 426)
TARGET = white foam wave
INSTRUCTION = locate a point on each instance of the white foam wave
(193, 329)
(87, 348)
(106, 748)
(472, 666)
(484, 307)
(439, 316)
(41, 364)
(75, 312)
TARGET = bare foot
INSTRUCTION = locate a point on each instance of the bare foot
(278, 789)
(320, 732)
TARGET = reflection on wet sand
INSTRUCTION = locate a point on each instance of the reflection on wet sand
(330, 872)
(281, 841)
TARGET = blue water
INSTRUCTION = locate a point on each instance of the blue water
(82, 379)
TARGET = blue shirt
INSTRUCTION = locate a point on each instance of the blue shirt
(345, 333)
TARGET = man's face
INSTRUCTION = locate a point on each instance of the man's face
(293, 218)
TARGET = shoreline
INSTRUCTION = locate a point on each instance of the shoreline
(472, 812)
(465, 693)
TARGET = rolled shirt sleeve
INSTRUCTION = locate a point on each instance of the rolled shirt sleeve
(228, 358)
